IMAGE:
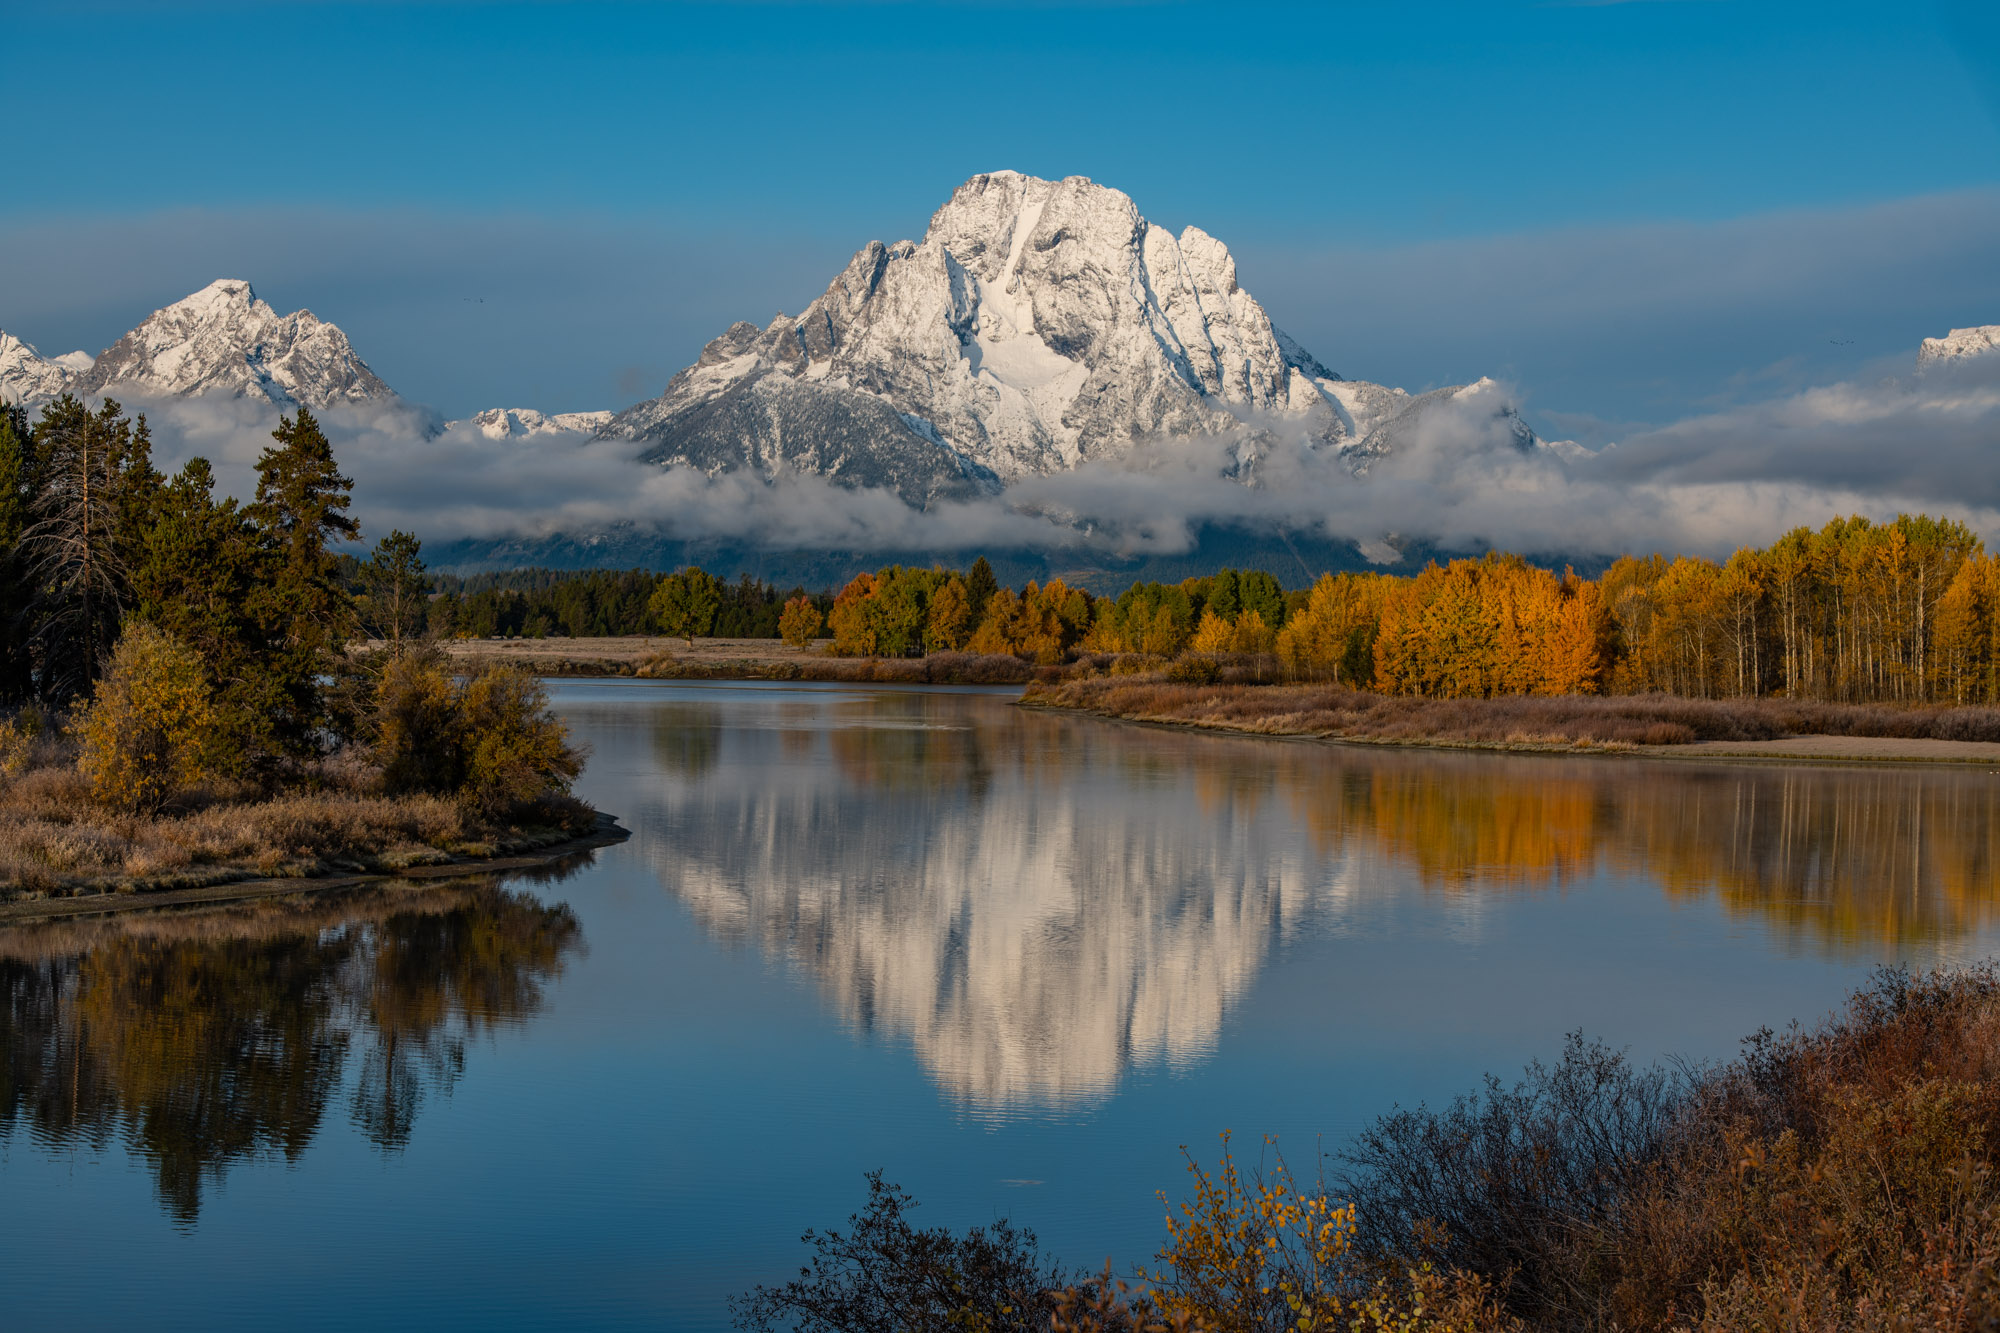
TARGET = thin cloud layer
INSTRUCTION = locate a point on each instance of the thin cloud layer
(1702, 485)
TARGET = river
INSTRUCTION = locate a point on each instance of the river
(1013, 959)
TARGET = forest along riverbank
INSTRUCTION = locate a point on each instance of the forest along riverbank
(1657, 725)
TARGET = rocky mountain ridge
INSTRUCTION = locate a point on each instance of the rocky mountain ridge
(26, 376)
(1037, 326)
(223, 340)
(1959, 344)
(516, 423)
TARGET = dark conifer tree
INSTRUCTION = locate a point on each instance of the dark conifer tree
(302, 604)
(980, 585)
(196, 577)
(396, 586)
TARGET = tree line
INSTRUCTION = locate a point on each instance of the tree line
(184, 638)
(595, 603)
(1905, 611)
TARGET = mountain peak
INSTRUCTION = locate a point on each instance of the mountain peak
(223, 340)
(26, 376)
(1983, 340)
(1038, 324)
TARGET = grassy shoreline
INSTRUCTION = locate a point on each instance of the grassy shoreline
(1650, 725)
(525, 853)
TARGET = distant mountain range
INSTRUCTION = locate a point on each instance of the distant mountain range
(1038, 326)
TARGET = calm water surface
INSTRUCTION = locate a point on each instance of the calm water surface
(1013, 959)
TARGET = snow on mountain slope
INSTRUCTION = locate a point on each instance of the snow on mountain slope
(503, 423)
(26, 376)
(223, 340)
(1037, 326)
(1958, 344)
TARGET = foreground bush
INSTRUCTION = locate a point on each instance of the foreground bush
(1839, 1178)
(882, 1273)
(149, 733)
(489, 740)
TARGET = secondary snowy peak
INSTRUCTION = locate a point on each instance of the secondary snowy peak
(26, 376)
(1959, 344)
(1037, 325)
(223, 340)
(514, 423)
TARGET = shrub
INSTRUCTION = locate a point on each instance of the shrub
(490, 740)
(885, 1276)
(516, 749)
(1269, 1252)
(148, 734)
(418, 725)
(28, 740)
(1194, 669)
(1504, 1182)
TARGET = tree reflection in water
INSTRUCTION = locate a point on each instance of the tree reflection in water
(209, 1038)
(1039, 903)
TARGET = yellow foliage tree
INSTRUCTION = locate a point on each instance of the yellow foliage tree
(852, 625)
(149, 732)
(800, 622)
(950, 622)
(1213, 635)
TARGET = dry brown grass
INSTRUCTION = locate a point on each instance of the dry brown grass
(936, 669)
(56, 841)
(1613, 721)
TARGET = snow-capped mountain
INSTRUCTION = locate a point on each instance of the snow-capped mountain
(1036, 326)
(1959, 344)
(26, 376)
(513, 423)
(223, 340)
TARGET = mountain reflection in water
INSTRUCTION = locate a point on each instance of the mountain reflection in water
(1038, 903)
(203, 1039)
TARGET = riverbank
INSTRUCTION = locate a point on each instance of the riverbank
(56, 842)
(1655, 725)
(527, 852)
(659, 658)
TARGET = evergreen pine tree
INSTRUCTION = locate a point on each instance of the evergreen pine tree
(301, 604)
(396, 585)
(980, 585)
(196, 578)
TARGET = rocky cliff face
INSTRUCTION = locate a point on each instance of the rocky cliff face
(1958, 345)
(1038, 325)
(223, 340)
(26, 376)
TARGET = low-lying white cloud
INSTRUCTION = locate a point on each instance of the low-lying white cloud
(1704, 484)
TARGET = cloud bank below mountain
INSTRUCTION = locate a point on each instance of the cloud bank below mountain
(1703, 485)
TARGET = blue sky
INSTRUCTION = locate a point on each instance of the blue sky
(1629, 210)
